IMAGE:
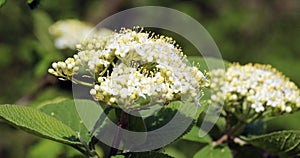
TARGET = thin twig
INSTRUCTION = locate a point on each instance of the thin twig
(221, 140)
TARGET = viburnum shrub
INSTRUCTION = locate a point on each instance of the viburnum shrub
(132, 70)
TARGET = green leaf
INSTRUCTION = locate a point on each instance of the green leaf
(38, 123)
(175, 114)
(255, 128)
(193, 135)
(33, 3)
(136, 124)
(282, 142)
(214, 152)
(2, 2)
(150, 154)
(166, 113)
(174, 152)
(66, 112)
(50, 95)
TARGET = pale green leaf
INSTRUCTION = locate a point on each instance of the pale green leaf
(193, 135)
(282, 142)
(213, 152)
(66, 112)
(38, 123)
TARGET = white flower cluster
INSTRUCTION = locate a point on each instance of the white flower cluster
(70, 32)
(132, 65)
(260, 87)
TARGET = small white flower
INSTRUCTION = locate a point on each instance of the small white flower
(288, 109)
(93, 92)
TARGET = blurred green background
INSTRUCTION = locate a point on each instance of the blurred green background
(245, 31)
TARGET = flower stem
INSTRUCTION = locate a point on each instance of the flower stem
(81, 82)
(123, 123)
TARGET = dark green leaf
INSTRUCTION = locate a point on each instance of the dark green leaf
(193, 135)
(38, 123)
(176, 114)
(213, 152)
(136, 124)
(282, 142)
(150, 154)
(135, 121)
(174, 152)
(166, 113)
(2, 2)
(255, 128)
